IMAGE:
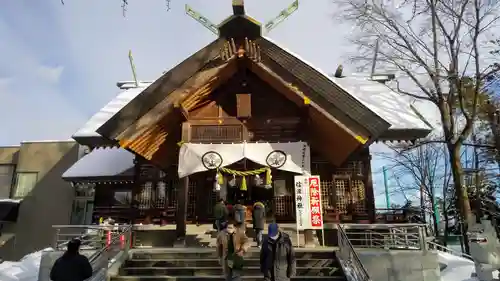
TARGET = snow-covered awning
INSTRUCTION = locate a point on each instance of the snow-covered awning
(102, 164)
(115, 105)
(293, 157)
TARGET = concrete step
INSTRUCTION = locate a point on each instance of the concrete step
(214, 262)
(217, 271)
(204, 253)
(200, 235)
(219, 278)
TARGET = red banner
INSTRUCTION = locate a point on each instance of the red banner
(315, 202)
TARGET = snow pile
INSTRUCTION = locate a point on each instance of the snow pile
(24, 270)
(457, 268)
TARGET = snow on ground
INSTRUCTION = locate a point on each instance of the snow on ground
(455, 268)
(24, 270)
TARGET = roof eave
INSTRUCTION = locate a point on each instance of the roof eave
(404, 134)
(96, 179)
(94, 141)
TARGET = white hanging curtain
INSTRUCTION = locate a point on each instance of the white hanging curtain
(293, 157)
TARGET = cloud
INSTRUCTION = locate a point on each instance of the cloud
(50, 74)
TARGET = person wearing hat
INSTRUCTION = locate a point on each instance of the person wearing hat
(71, 266)
(277, 257)
(232, 244)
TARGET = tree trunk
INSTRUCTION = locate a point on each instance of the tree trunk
(462, 196)
(434, 217)
(446, 226)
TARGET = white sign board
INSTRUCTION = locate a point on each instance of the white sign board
(302, 202)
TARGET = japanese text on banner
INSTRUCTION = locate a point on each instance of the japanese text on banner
(315, 203)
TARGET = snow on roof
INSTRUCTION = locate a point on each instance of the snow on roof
(389, 105)
(101, 117)
(10, 200)
(102, 162)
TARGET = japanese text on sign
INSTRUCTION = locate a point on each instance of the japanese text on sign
(302, 202)
(315, 202)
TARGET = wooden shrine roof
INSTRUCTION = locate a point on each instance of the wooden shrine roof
(365, 109)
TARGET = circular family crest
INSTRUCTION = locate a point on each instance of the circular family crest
(276, 159)
(211, 160)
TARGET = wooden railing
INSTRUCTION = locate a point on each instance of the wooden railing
(216, 133)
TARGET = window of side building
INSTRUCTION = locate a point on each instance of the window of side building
(6, 179)
(25, 182)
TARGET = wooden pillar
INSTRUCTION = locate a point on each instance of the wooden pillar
(182, 200)
(182, 192)
(370, 196)
(136, 190)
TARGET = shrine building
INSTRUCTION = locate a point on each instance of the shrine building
(238, 120)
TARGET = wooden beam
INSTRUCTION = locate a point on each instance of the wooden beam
(163, 108)
(182, 110)
(191, 101)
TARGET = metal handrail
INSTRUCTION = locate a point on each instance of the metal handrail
(441, 248)
(349, 259)
(112, 239)
(126, 233)
(410, 237)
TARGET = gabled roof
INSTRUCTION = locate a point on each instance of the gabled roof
(350, 100)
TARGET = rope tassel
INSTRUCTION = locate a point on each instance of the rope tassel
(243, 186)
(269, 177)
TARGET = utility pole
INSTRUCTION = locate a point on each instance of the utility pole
(386, 186)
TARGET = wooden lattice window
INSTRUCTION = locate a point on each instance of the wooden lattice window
(341, 186)
(145, 197)
(358, 196)
(327, 192)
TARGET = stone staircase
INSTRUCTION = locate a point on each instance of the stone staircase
(204, 235)
(197, 264)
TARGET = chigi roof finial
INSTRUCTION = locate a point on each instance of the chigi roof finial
(238, 7)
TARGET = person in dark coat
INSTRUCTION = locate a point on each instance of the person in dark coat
(258, 221)
(240, 213)
(277, 257)
(220, 213)
(71, 266)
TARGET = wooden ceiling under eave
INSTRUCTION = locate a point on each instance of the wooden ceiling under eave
(336, 140)
(152, 135)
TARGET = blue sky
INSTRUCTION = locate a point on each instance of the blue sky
(59, 63)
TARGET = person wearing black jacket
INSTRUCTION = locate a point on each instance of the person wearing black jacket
(221, 214)
(258, 221)
(71, 266)
(277, 257)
